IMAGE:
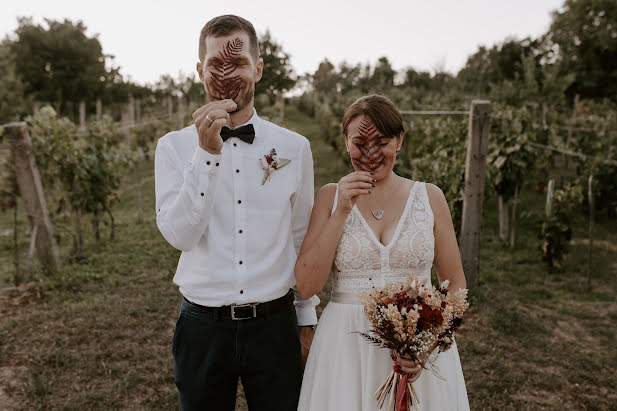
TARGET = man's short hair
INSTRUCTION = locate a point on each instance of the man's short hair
(224, 26)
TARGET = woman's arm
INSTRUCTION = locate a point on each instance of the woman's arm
(447, 263)
(319, 245)
(324, 231)
(447, 256)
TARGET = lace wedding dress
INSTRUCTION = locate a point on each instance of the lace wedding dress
(343, 371)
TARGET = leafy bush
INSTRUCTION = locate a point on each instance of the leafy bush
(80, 172)
(557, 227)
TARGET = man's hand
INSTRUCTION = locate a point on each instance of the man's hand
(209, 120)
(306, 339)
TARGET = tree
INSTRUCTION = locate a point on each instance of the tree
(325, 78)
(11, 88)
(383, 75)
(488, 68)
(59, 64)
(585, 32)
(278, 75)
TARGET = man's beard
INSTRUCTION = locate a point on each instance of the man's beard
(242, 100)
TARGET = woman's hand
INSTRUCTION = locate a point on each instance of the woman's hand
(351, 186)
(407, 366)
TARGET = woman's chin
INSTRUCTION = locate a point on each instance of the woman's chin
(382, 171)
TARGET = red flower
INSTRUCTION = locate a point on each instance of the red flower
(429, 317)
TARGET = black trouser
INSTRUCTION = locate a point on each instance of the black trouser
(210, 353)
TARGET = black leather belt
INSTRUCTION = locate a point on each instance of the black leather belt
(247, 311)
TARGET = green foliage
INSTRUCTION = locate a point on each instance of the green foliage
(143, 135)
(277, 74)
(435, 152)
(330, 126)
(594, 132)
(82, 171)
(185, 86)
(489, 67)
(383, 74)
(510, 159)
(12, 100)
(557, 227)
(584, 35)
(59, 63)
(8, 183)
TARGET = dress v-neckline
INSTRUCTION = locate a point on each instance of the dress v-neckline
(398, 225)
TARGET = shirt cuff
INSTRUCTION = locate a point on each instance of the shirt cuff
(306, 315)
(205, 161)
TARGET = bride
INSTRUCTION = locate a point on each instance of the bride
(373, 228)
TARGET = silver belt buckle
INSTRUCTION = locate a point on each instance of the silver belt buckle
(233, 311)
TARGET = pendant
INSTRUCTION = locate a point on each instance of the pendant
(377, 214)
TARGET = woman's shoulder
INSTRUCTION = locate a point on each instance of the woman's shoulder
(437, 199)
(435, 194)
(325, 195)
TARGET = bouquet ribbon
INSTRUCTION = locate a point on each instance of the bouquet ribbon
(403, 396)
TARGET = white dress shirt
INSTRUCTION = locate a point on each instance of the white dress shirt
(239, 238)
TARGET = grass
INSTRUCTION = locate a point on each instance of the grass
(97, 335)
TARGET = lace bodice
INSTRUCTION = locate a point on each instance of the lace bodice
(361, 261)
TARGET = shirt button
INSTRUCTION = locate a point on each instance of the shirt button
(240, 262)
(202, 194)
(237, 171)
(239, 201)
(240, 231)
(235, 144)
(241, 291)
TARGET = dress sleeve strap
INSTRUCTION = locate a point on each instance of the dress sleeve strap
(335, 200)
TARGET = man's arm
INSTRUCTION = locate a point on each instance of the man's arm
(302, 204)
(184, 194)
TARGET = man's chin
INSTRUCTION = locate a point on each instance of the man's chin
(241, 101)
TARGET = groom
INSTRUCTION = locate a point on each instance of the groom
(234, 192)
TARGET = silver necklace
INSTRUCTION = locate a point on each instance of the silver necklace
(380, 212)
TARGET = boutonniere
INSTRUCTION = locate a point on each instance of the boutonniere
(272, 162)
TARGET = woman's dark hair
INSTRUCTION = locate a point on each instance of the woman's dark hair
(381, 110)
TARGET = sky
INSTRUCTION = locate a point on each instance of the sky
(151, 38)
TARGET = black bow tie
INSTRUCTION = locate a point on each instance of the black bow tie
(244, 133)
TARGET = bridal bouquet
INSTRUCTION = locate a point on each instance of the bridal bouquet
(411, 318)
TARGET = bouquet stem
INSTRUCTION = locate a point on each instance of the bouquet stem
(403, 396)
(393, 395)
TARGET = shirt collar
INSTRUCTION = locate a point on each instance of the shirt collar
(254, 120)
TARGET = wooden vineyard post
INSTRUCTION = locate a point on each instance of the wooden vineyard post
(99, 108)
(31, 191)
(515, 202)
(137, 110)
(131, 110)
(473, 197)
(82, 116)
(180, 120)
(549, 198)
(170, 108)
(503, 218)
(591, 227)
